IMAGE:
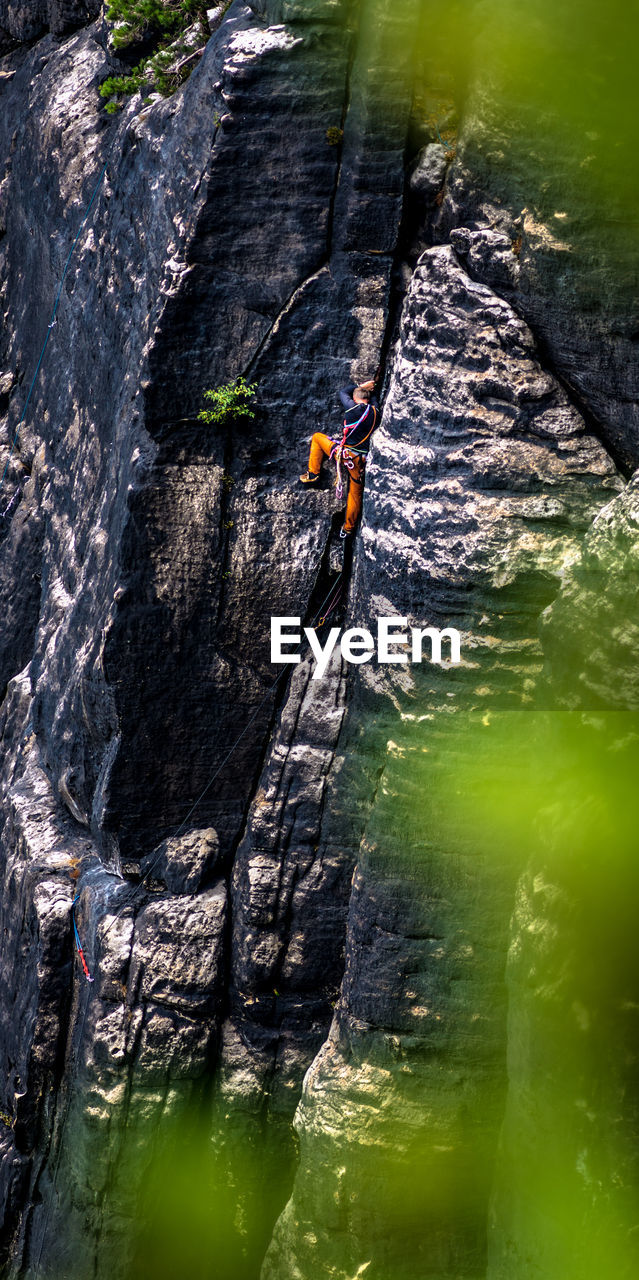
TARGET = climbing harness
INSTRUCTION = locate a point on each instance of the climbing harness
(343, 453)
(342, 456)
(52, 321)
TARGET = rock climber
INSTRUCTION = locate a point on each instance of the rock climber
(349, 450)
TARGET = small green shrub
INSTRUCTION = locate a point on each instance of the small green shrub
(159, 23)
(334, 136)
(233, 400)
(133, 20)
(122, 84)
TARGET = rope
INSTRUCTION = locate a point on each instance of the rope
(9, 505)
(447, 145)
(78, 944)
(52, 320)
(326, 609)
(337, 453)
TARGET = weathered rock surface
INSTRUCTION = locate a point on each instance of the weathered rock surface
(482, 481)
(429, 172)
(571, 1119)
(590, 632)
(156, 546)
(182, 863)
(307, 904)
(291, 885)
(26, 21)
(538, 228)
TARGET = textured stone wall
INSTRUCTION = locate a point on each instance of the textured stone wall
(228, 236)
(328, 911)
(25, 22)
(482, 482)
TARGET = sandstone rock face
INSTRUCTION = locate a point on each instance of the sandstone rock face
(538, 228)
(482, 482)
(291, 885)
(572, 1022)
(429, 172)
(590, 631)
(24, 22)
(153, 550)
(277, 879)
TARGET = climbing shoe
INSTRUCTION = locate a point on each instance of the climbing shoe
(310, 477)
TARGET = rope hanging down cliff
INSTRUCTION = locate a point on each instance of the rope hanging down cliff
(52, 320)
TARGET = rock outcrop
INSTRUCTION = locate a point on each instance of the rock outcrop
(289, 893)
(27, 21)
(482, 484)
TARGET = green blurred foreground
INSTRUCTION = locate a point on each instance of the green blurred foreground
(551, 73)
(540, 806)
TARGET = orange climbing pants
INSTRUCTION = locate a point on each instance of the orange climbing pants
(353, 466)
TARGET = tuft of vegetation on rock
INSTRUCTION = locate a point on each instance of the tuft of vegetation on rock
(233, 400)
(172, 34)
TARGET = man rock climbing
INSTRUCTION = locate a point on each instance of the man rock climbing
(349, 450)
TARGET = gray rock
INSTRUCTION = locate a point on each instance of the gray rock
(27, 21)
(151, 552)
(488, 255)
(482, 481)
(428, 175)
(571, 271)
(290, 897)
(590, 632)
(331, 914)
(182, 862)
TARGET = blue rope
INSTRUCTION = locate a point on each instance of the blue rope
(447, 145)
(78, 944)
(52, 320)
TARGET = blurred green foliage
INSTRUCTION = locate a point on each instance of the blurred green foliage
(554, 84)
(210, 1194)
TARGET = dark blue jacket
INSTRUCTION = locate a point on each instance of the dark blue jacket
(359, 437)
